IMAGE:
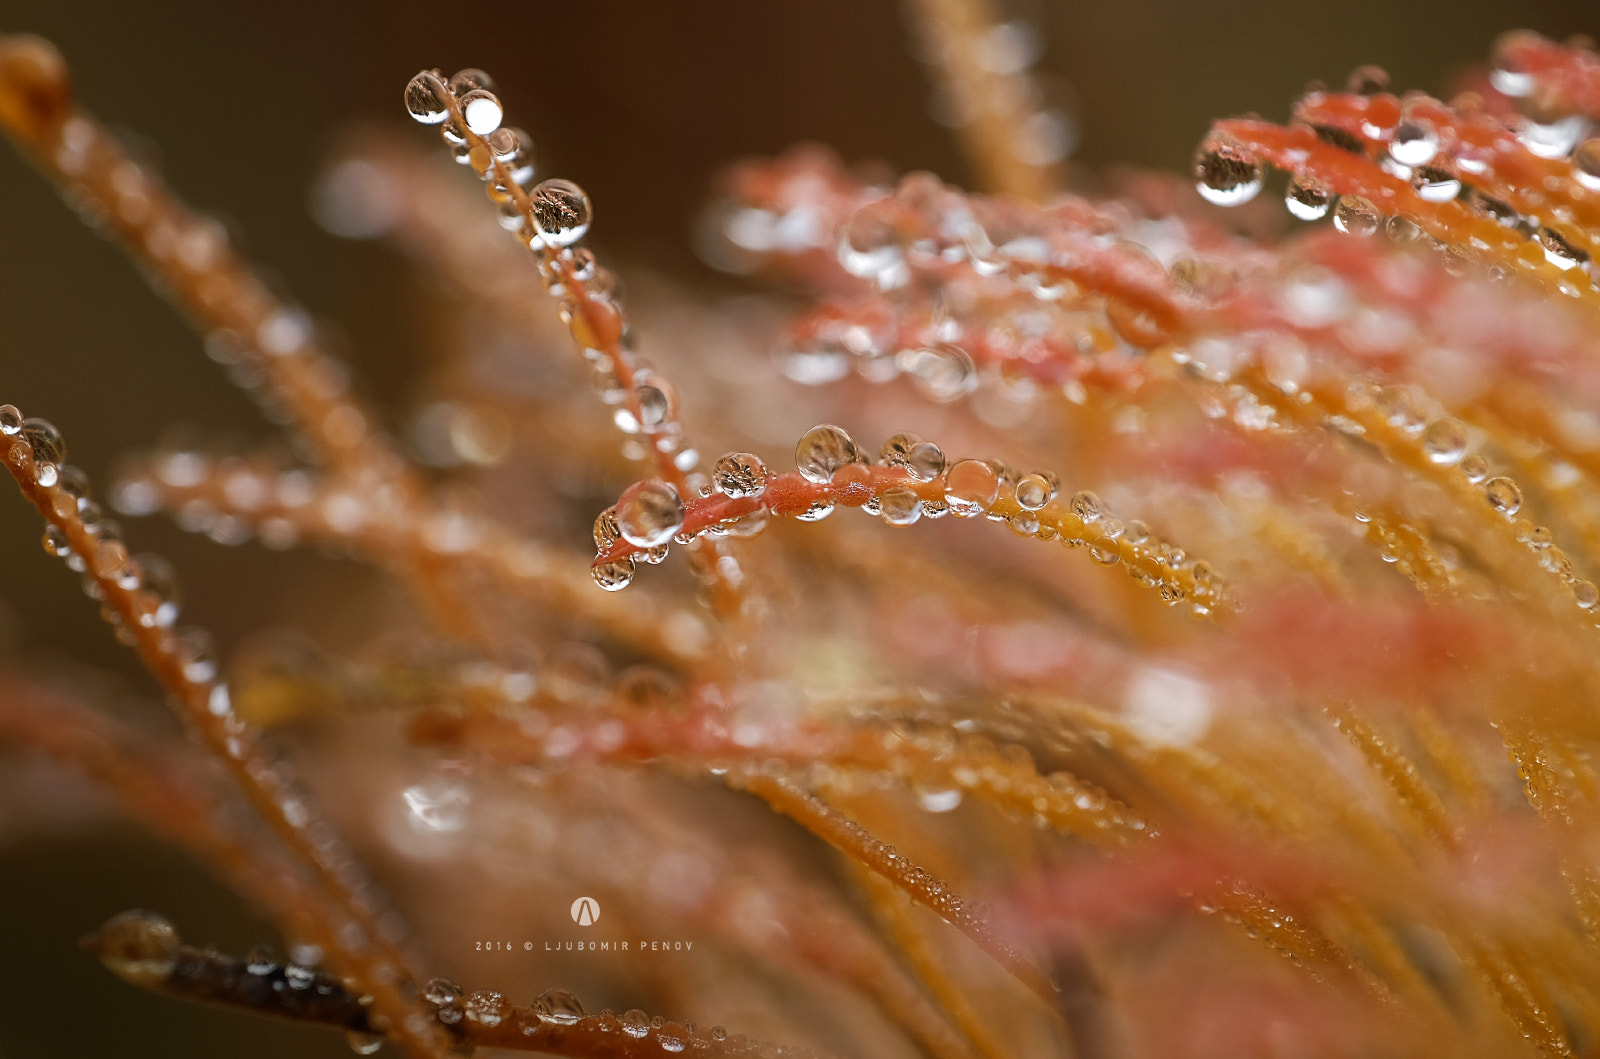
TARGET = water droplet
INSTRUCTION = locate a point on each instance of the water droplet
(139, 947)
(442, 991)
(740, 474)
(1413, 144)
(1104, 551)
(819, 510)
(560, 1005)
(362, 1042)
(649, 513)
(45, 440)
(1508, 75)
(869, 243)
(1476, 468)
(823, 450)
(718, 1033)
(1226, 174)
(1554, 138)
(482, 110)
(1308, 198)
(923, 459)
(1086, 506)
(56, 541)
(1585, 166)
(1367, 80)
(1356, 216)
(635, 1023)
(1586, 595)
(1036, 490)
(1504, 495)
(1559, 251)
(971, 487)
(615, 576)
(197, 652)
(1402, 229)
(1433, 184)
(1445, 441)
(942, 373)
(938, 799)
(423, 103)
(561, 212)
(10, 420)
(606, 530)
(487, 1007)
(900, 505)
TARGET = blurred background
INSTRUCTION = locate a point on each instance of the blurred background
(643, 102)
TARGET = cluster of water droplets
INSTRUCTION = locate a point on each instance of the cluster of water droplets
(1438, 164)
(458, 1009)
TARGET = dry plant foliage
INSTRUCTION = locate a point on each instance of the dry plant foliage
(1222, 676)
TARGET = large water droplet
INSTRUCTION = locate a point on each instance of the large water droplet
(362, 1042)
(649, 513)
(559, 1005)
(46, 441)
(1445, 441)
(943, 372)
(1433, 184)
(1413, 144)
(823, 450)
(869, 243)
(482, 110)
(1036, 490)
(423, 103)
(1087, 507)
(1356, 216)
(139, 947)
(442, 991)
(561, 212)
(740, 474)
(923, 459)
(614, 576)
(1558, 249)
(10, 420)
(899, 505)
(487, 1008)
(1307, 198)
(971, 487)
(1226, 174)
(1504, 495)
(635, 1023)
(1585, 165)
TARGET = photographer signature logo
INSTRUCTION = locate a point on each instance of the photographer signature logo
(585, 911)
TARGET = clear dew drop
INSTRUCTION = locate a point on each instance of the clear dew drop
(606, 530)
(1356, 216)
(635, 1023)
(1227, 174)
(923, 460)
(487, 1008)
(1036, 490)
(1413, 144)
(561, 212)
(1445, 441)
(1504, 495)
(1585, 167)
(1585, 594)
(1476, 468)
(1558, 249)
(740, 474)
(971, 487)
(613, 576)
(560, 1005)
(869, 244)
(823, 450)
(362, 1042)
(1433, 184)
(10, 420)
(482, 110)
(900, 506)
(423, 103)
(1103, 550)
(46, 441)
(1307, 198)
(649, 513)
(938, 799)
(56, 543)
(942, 373)
(1087, 507)
(442, 991)
(138, 946)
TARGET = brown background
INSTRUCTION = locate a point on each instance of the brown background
(641, 101)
